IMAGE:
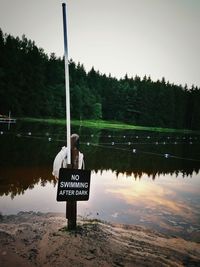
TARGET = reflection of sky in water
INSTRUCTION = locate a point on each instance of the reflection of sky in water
(169, 203)
(147, 196)
(166, 202)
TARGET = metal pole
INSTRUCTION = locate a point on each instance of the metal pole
(68, 128)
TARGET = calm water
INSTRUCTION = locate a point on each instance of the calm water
(142, 178)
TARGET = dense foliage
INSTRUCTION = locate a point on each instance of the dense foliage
(32, 84)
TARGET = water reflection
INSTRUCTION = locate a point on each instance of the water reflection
(149, 159)
(170, 204)
(133, 181)
(16, 180)
(26, 161)
(28, 150)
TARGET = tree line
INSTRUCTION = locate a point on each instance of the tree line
(33, 84)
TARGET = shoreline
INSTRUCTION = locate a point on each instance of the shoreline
(41, 239)
(109, 125)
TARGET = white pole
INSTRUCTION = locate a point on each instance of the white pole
(68, 127)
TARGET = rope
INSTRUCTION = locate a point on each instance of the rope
(166, 155)
(113, 145)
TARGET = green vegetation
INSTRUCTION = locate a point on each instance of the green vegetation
(108, 125)
(32, 85)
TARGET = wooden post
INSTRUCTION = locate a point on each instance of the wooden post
(71, 206)
(71, 214)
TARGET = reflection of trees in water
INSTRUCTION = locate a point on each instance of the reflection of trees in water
(17, 180)
(26, 162)
(149, 158)
(139, 163)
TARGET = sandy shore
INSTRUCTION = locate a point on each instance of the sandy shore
(36, 239)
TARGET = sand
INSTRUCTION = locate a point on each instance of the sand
(36, 239)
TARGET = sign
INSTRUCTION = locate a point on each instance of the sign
(73, 184)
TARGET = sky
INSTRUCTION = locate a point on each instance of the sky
(157, 38)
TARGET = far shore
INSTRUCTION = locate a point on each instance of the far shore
(112, 125)
(41, 239)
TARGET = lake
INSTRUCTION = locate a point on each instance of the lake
(144, 178)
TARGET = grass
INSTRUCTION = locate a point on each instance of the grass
(100, 124)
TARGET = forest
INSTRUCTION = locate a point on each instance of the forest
(32, 84)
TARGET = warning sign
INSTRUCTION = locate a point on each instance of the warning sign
(73, 184)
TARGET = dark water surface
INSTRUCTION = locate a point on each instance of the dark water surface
(142, 178)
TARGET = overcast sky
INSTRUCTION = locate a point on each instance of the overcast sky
(160, 38)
